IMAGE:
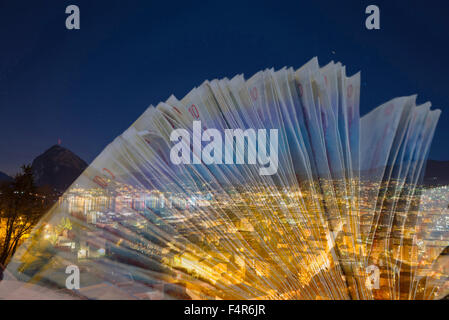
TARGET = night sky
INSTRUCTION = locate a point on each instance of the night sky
(87, 86)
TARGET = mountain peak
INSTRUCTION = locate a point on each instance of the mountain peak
(57, 167)
(4, 177)
(56, 148)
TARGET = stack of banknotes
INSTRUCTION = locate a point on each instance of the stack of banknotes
(271, 187)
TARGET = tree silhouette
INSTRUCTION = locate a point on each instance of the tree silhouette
(21, 206)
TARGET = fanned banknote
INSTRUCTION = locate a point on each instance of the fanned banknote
(267, 187)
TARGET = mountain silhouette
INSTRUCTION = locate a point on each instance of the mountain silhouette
(57, 168)
(4, 177)
(437, 173)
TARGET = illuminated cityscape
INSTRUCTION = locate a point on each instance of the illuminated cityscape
(251, 257)
(164, 213)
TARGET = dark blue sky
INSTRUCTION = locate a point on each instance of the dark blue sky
(87, 86)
